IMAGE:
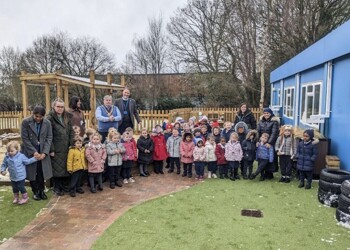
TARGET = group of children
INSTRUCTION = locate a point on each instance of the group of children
(223, 151)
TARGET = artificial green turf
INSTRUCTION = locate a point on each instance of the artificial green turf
(208, 216)
(14, 217)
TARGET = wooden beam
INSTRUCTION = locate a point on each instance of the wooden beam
(109, 82)
(59, 88)
(47, 97)
(24, 96)
(92, 99)
(66, 97)
(122, 80)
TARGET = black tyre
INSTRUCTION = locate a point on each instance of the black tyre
(342, 217)
(345, 188)
(334, 175)
(334, 188)
(327, 198)
(344, 204)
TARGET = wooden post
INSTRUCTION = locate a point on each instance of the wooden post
(66, 97)
(59, 88)
(47, 97)
(122, 80)
(92, 99)
(24, 96)
(109, 81)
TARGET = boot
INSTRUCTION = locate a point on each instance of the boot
(209, 174)
(15, 198)
(178, 170)
(245, 177)
(252, 176)
(287, 180)
(301, 184)
(283, 179)
(184, 172)
(24, 199)
(221, 176)
(189, 173)
(235, 172)
(36, 196)
(42, 195)
(308, 186)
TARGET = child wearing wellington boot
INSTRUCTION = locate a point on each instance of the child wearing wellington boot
(115, 150)
(286, 148)
(211, 157)
(199, 157)
(249, 151)
(233, 155)
(186, 152)
(145, 146)
(306, 156)
(15, 162)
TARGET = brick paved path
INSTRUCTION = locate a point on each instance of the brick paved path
(75, 223)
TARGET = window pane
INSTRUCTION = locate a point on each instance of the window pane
(292, 102)
(309, 88)
(303, 112)
(317, 100)
(309, 106)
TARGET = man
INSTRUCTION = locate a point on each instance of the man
(127, 106)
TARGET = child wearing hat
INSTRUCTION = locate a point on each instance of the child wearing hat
(306, 155)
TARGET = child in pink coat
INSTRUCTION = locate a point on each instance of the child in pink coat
(233, 155)
(199, 157)
(186, 153)
(129, 157)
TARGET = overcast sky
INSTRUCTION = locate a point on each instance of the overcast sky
(113, 22)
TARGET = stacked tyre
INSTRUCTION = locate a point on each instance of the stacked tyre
(330, 184)
(343, 211)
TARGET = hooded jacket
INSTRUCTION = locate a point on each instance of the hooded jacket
(210, 151)
(186, 151)
(233, 151)
(76, 159)
(173, 146)
(220, 154)
(241, 136)
(249, 146)
(160, 153)
(306, 154)
(115, 159)
(199, 153)
(247, 117)
(264, 153)
(143, 144)
(269, 126)
(96, 158)
(16, 165)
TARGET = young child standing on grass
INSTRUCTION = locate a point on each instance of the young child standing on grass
(129, 157)
(186, 152)
(249, 152)
(96, 156)
(286, 149)
(173, 148)
(15, 162)
(145, 146)
(199, 157)
(233, 155)
(264, 155)
(306, 156)
(115, 150)
(221, 160)
(211, 157)
(76, 164)
(160, 153)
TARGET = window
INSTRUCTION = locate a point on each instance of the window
(276, 97)
(288, 106)
(310, 101)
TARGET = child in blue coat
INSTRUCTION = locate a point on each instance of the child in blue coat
(15, 162)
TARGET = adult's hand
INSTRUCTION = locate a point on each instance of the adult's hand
(52, 154)
(111, 118)
(268, 145)
(42, 156)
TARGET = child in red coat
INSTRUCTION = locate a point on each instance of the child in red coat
(160, 152)
(221, 160)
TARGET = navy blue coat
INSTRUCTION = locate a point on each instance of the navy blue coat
(306, 155)
(142, 144)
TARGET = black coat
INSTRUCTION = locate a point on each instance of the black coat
(270, 126)
(249, 146)
(142, 144)
(247, 117)
(306, 155)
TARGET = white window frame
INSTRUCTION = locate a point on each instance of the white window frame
(303, 117)
(288, 110)
(278, 99)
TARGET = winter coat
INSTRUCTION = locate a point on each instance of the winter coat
(78, 120)
(160, 153)
(286, 145)
(76, 160)
(220, 154)
(130, 151)
(210, 152)
(249, 146)
(247, 117)
(241, 136)
(143, 144)
(233, 151)
(173, 146)
(186, 151)
(30, 145)
(227, 134)
(115, 159)
(96, 158)
(16, 165)
(271, 127)
(199, 154)
(216, 137)
(265, 153)
(62, 134)
(131, 109)
(306, 155)
(167, 136)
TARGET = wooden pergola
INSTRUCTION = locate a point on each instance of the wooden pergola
(62, 83)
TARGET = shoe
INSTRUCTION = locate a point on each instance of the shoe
(214, 176)
(58, 192)
(282, 179)
(287, 180)
(119, 183)
(201, 177)
(221, 176)
(197, 178)
(261, 178)
(252, 177)
(36, 196)
(125, 181)
(42, 195)
(131, 180)
(143, 175)
(184, 174)
(99, 188)
(226, 176)
(93, 190)
(301, 184)
(189, 175)
(80, 191)
(167, 166)
(156, 172)
(161, 172)
(232, 178)
(178, 171)
(72, 194)
(112, 186)
(65, 189)
(147, 173)
(308, 186)
(170, 170)
(237, 177)
(15, 198)
(24, 199)
(245, 177)
(209, 175)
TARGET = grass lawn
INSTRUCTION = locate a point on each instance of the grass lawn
(208, 216)
(14, 217)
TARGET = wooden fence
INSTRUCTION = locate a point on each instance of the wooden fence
(150, 118)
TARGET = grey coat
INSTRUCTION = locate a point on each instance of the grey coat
(62, 138)
(30, 141)
(115, 159)
(132, 110)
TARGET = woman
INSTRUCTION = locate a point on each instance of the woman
(62, 138)
(36, 134)
(77, 114)
(245, 115)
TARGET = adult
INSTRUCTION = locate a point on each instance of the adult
(245, 115)
(36, 134)
(128, 108)
(108, 116)
(270, 124)
(63, 134)
(78, 115)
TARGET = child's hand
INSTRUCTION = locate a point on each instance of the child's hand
(3, 173)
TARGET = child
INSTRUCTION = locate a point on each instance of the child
(204, 132)
(96, 155)
(198, 135)
(115, 149)
(87, 138)
(199, 157)
(249, 152)
(306, 155)
(186, 152)
(233, 155)
(173, 148)
(129, 157)
(216, 133)
(145, 146)
(15, 162)
(221, 160)
(132, 139)
(241, 129)
(211, 157)
(227, 131)
(186, 128)
(264, 155)
(76, 130)
(286, 148)
(177, 125)
(167, 134)
(76, 164)
(160, 153)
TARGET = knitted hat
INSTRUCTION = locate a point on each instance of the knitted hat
(169, 126)
(268, 110)
(310, 133)
(197, 140)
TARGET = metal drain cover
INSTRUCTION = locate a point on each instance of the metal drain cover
(252, 213)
